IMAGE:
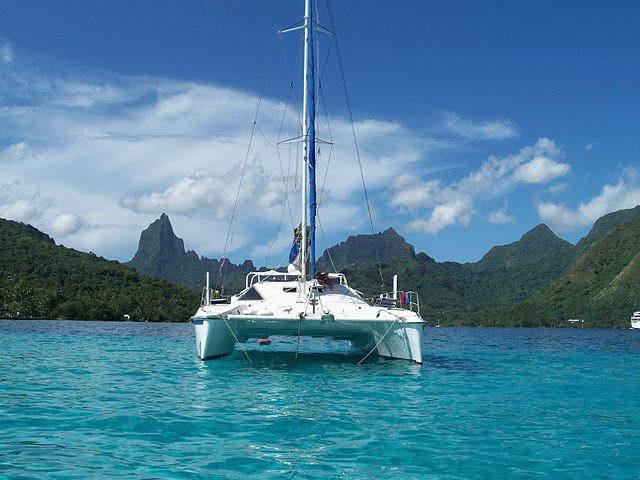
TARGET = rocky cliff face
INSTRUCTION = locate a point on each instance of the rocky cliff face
(366, 249)
(462, 293)
(161, 253)
(158, 242)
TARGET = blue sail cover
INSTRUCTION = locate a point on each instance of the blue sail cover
(311, 145)
(293, 253)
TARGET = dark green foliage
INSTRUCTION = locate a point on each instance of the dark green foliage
(603, 287)
(39, 279)
(366, 249)
(449, 290)
(605, 224)
(161, 254)
(498, 290)
(512, 272)
(503, 288)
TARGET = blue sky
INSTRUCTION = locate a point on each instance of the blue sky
(476, 121)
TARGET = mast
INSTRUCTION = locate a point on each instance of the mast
(309, 148)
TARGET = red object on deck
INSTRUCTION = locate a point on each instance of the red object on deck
(264, 341)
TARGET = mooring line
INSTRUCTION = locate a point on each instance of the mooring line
(237, 341)
(379, 342)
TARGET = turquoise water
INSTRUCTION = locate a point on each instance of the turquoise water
(109, 400)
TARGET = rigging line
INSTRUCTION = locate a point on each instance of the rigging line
(290, 68)
(326, 116)
(238, 341)
(266, 260)
(353, 129)
(298, 340)
(295, 175)
(264, 137)
(284, 180)
(326, 169)
(326, 61)
(378, 343)
(244, 166)
(326, 249)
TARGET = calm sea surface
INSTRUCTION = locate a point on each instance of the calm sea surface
(110, 400)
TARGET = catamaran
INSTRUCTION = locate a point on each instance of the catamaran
(302, 301)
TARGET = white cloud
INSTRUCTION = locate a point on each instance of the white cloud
(611, 198)
(15, 153)
(66, 224)
(540, 170)
(21, 202)
(488, 130)
(6, 53)
(453, 204)
(413, 193)
(499, 217)
(23, 210)
(213, 193)
(109, 153)
(558, 187)
(458, 210)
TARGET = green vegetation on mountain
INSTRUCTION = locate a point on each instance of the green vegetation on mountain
(39, 279)
(365, 249)
(503, 288)
(602, 288)
(605, 224)
(540, 280)
(505, 275)
(512, 272)
(161, 254)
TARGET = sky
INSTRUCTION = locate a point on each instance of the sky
(475, 121)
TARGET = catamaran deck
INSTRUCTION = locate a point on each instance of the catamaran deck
(274, 304)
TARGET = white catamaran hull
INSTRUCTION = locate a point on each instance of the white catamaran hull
(303, 301)
(216, 337)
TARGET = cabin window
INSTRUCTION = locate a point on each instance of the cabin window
(251, 294)
(290, 289)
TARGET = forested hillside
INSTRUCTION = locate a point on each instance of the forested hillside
(603, 287)
(40, 279)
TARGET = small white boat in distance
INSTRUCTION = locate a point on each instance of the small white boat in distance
(635, 320)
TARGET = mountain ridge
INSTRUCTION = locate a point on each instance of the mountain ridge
(602, 287)
(162, 253)
(505, 276)
(39, 279)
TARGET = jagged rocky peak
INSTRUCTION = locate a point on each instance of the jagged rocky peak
(367, 249)
(423, 257)
(159, 240)
(161, 253)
